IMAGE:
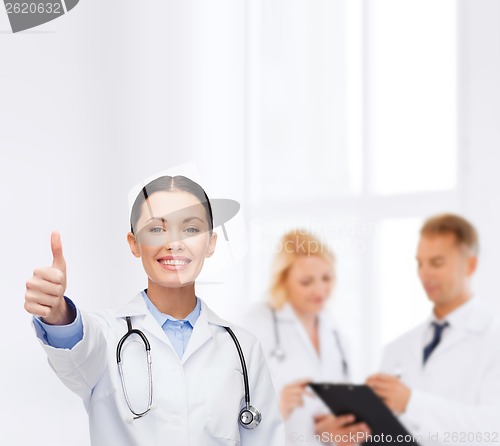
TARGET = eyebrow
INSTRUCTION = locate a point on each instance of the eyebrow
(192, 218)
(438, 257)
(163, 220)
(186, 220)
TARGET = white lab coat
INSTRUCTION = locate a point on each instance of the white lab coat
(196, 399)
(458, 390)
(302, 361)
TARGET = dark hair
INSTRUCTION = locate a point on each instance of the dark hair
(464, 232)
(171, 184)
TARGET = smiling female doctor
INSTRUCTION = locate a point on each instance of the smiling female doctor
(301, 342)
(164, 369)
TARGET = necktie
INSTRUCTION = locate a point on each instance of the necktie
(438, 332)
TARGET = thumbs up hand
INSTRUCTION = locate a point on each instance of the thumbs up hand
(58, 261)
(45, 289)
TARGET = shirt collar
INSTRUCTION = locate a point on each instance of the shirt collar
(161, 318)
(286, 312)
(458, 316)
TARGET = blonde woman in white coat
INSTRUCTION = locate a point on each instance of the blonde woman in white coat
(191, 389)
(300, 341)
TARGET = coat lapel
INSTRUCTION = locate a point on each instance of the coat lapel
(143, 319)
(475, 322)
(203, 331)
(419, 342)
(287, 314)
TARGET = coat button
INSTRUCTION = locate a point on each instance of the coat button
(174, 421)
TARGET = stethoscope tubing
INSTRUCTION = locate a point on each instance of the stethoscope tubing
(280, 354)
(243, 365)
(119, 347)
(250, 417)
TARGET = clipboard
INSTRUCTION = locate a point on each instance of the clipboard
(366, 406)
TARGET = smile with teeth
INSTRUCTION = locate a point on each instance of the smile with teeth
(174, 262)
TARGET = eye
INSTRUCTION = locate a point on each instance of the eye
(306, 282)
(192, 230)
(156, 229)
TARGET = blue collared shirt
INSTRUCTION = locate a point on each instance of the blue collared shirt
(67, 336)
(178, 331)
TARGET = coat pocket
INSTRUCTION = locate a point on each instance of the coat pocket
(224, 398)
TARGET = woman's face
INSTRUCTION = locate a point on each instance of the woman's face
(308, 284)
(172, 238)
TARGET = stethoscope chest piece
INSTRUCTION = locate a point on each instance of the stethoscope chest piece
(250, 417)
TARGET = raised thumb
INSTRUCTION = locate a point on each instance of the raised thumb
(57, 253)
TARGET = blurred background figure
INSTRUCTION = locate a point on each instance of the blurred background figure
(299, 337)
(443, 377)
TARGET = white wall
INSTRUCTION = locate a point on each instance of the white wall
(479, 132)
(94, 102)
(90, 104)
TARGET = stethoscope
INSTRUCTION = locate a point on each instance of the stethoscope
(279, 353)
(249, 416)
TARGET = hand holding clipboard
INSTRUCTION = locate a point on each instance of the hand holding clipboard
(391, 390)
(367, 407)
